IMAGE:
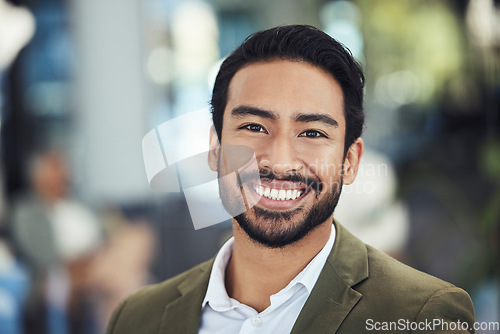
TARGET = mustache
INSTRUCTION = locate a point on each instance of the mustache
(268, 174)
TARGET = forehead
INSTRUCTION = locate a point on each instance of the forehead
(287, 87)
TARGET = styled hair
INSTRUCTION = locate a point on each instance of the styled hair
(297, 43)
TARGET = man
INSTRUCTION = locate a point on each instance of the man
(58, 239)
(294, 96)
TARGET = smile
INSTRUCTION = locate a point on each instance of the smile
(278, 194)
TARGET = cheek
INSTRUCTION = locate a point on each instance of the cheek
(327, 169)
(325, 163)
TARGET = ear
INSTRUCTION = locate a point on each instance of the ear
(352, 160)
(214, 147)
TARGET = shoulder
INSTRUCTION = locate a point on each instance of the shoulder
(380, 277)
(142, 312)
(389, 290)
(396, 291)
(168, 290)
(26, 205)
(385, 269)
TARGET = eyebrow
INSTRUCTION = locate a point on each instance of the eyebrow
(322, 118)
(243, 111)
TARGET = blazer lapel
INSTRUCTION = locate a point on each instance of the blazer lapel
(183, 314)
(332, 298)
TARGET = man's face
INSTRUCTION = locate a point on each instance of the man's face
(291, 114)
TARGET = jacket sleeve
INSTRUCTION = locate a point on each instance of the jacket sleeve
(449, 310)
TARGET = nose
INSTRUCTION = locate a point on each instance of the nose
(280, 156)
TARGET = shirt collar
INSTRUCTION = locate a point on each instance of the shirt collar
(309, 275)
(216, 290)
(217, 295)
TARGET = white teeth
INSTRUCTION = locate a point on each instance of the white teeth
(274, 194)
(279, 195)
(259, 190)
(282, 195)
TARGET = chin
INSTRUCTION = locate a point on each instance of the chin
(277, 229)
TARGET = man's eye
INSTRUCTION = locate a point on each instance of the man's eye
(312, 134)
(254, 128)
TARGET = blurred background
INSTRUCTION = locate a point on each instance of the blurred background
(83, 81)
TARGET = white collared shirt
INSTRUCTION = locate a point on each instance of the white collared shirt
(224, 315)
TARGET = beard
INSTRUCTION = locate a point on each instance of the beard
(279, 228)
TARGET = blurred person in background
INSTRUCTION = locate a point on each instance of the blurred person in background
(58, 237)
(294, 95)
(79, 272)
(121, 266)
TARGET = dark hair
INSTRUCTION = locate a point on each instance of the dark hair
(297, 43)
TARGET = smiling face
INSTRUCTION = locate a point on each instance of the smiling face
(292, 115)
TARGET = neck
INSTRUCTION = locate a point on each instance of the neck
(255, 272)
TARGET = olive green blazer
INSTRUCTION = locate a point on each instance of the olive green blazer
(359, 288)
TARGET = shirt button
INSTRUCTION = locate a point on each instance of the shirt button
(256, 322)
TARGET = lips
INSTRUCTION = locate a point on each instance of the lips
(279, 192)
(278, 195)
